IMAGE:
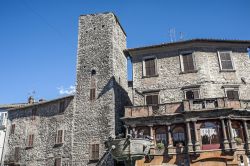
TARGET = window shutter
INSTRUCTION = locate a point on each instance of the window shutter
(226, 62)
(95, 151)
(31, 140)
(152, 99)
(196, 94)
(236, 94)
(188, 63)
(150, 67)
(59, 138)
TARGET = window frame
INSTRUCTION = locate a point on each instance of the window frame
(61, 106)
(13, 128)
(220, 64)
(182, 62)
(92, 95)
(94, 151)
(192, 89)
(57, 137)
(144, 73)
(151, 94)
(232, 89)
(30, 143)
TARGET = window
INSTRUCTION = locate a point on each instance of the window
(62, 106)
(13, 126)
(232, 94)
(150, 67)
(92, 94)
(187, 62)
(192, 94)
(30, 140)
(152, 99)
(59, 137)
(225, 60)
(94, 151)
(142, 132)
(33, 114)
(237, 129)
(210, 136)
(178, 135)
(161, 136)
(58, 162)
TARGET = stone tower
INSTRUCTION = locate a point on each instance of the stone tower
(101, 86)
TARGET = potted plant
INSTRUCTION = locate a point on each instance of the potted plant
(238, 140)
(160, 148)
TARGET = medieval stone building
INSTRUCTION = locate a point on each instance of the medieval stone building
(191, 97)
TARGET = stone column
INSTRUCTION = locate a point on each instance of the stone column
(189, 145)
(224, 133)
(170, 141)
(233, 143)
(246, 134)
(151, 131)
(126, 130)
(197, 142)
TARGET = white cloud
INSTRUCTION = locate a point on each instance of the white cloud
(67, 91)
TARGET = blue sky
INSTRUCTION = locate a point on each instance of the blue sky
(38, 38)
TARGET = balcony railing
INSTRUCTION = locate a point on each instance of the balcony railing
(186, 105)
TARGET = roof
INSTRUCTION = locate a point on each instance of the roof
(191, 41)
(16, 105)
(39, 103)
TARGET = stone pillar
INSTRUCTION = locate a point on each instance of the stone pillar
(126, 130)
(189, 145)
(224, 133)
(197, 142)
(246, 134)
(151, 131)
(171, 149)
(233, 143)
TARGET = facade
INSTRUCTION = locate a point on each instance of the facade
(191, 97)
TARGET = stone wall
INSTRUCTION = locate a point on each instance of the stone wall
(170, 80)
(100, 51)
(44, 127)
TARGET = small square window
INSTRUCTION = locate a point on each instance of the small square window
(152, 99)
(232, 94)
(94, 151)
(30, 140)
(225, 60)
(192, 94)
(59, 137)
(187, 62)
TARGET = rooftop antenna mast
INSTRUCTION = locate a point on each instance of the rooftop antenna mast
(172, 35)
(181, 36)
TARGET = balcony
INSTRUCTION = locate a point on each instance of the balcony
(153, 110)
(186, 105)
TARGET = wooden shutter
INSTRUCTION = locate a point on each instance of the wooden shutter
(30, 140)
(150, 67)
(62, 106)
(196, 94)
(92, 93)
(226, 62)
(188, 63)
(59, 138)
(95, 151)
(58, 162)
(13, 126)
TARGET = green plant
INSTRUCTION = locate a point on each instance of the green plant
(160, 146)
(238, 140)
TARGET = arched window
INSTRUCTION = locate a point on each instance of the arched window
(178, 134)
(237, 132)
(210, 135)
(143, 132)
(161, 135)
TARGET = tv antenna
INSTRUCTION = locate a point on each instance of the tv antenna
(172, 34)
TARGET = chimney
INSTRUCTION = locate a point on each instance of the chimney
(31, 100)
